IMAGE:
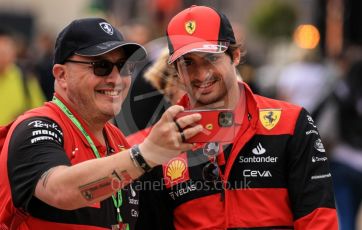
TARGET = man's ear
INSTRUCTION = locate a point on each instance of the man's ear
(236, 57)
(59, 73)
(177, 74)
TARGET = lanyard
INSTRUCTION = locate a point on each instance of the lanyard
(116, 201)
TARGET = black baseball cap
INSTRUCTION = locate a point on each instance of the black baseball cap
(93, 37)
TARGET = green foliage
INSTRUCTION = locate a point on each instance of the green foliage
(273, 19)
(97, 6)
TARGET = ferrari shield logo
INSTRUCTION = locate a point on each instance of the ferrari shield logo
(269, 117)
(190, 27)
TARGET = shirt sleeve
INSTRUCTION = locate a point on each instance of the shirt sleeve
(309, 178)
(35, 147)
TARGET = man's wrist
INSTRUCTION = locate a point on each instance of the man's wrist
(138, 159)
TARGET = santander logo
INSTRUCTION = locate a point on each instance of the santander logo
(259, 150)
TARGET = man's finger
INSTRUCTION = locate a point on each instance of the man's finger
(188, 120)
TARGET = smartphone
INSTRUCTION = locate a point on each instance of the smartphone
(218, 125)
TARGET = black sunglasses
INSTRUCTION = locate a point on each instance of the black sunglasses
(103, 68)
(211, 171)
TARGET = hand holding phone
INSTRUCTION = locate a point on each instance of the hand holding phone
(218, 125)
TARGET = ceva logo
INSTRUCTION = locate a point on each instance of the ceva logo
(256, 173)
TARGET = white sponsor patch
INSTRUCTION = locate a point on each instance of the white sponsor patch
(44, 132)
(41, 138)
(256, 173)
(318, 145)
(316, 177)
(133, 201)
(318, 159)
(134, 213)
(41, 124)
(311, 132)
(254, 159)
(259, 150)
(311, 121)
(182, 191)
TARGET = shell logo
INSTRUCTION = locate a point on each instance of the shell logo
(176, 169)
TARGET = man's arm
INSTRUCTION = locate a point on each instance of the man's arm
(309, 178)
(76, 186)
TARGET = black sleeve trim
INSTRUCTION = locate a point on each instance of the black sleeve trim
(309, 177)
(36, 145)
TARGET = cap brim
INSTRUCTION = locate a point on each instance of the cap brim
(134, 51)
(204, 46)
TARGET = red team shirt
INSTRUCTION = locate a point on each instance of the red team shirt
(39, 140)
(274, 175)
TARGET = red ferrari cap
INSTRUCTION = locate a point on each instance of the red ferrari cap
(198, 29)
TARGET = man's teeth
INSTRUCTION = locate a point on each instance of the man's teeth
(110, 93)
(205, 85)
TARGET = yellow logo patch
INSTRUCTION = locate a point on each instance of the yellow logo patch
(209, 126)
(176, 169)
(190, 27)
(269, 117)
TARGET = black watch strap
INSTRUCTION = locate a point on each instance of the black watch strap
(137, 156)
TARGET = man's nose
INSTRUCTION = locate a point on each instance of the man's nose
(204, 72)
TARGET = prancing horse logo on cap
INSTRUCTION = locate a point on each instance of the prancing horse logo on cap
(190, 27)
(106, 27)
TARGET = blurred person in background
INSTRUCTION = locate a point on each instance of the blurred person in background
(307, 81)
(19, 90)
(346, 164)
(273, 174)
(43, 62)
(145, 104)
(161, 11)
(164, 78)
(247, 69)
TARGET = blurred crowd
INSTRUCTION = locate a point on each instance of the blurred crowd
(329, 88)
